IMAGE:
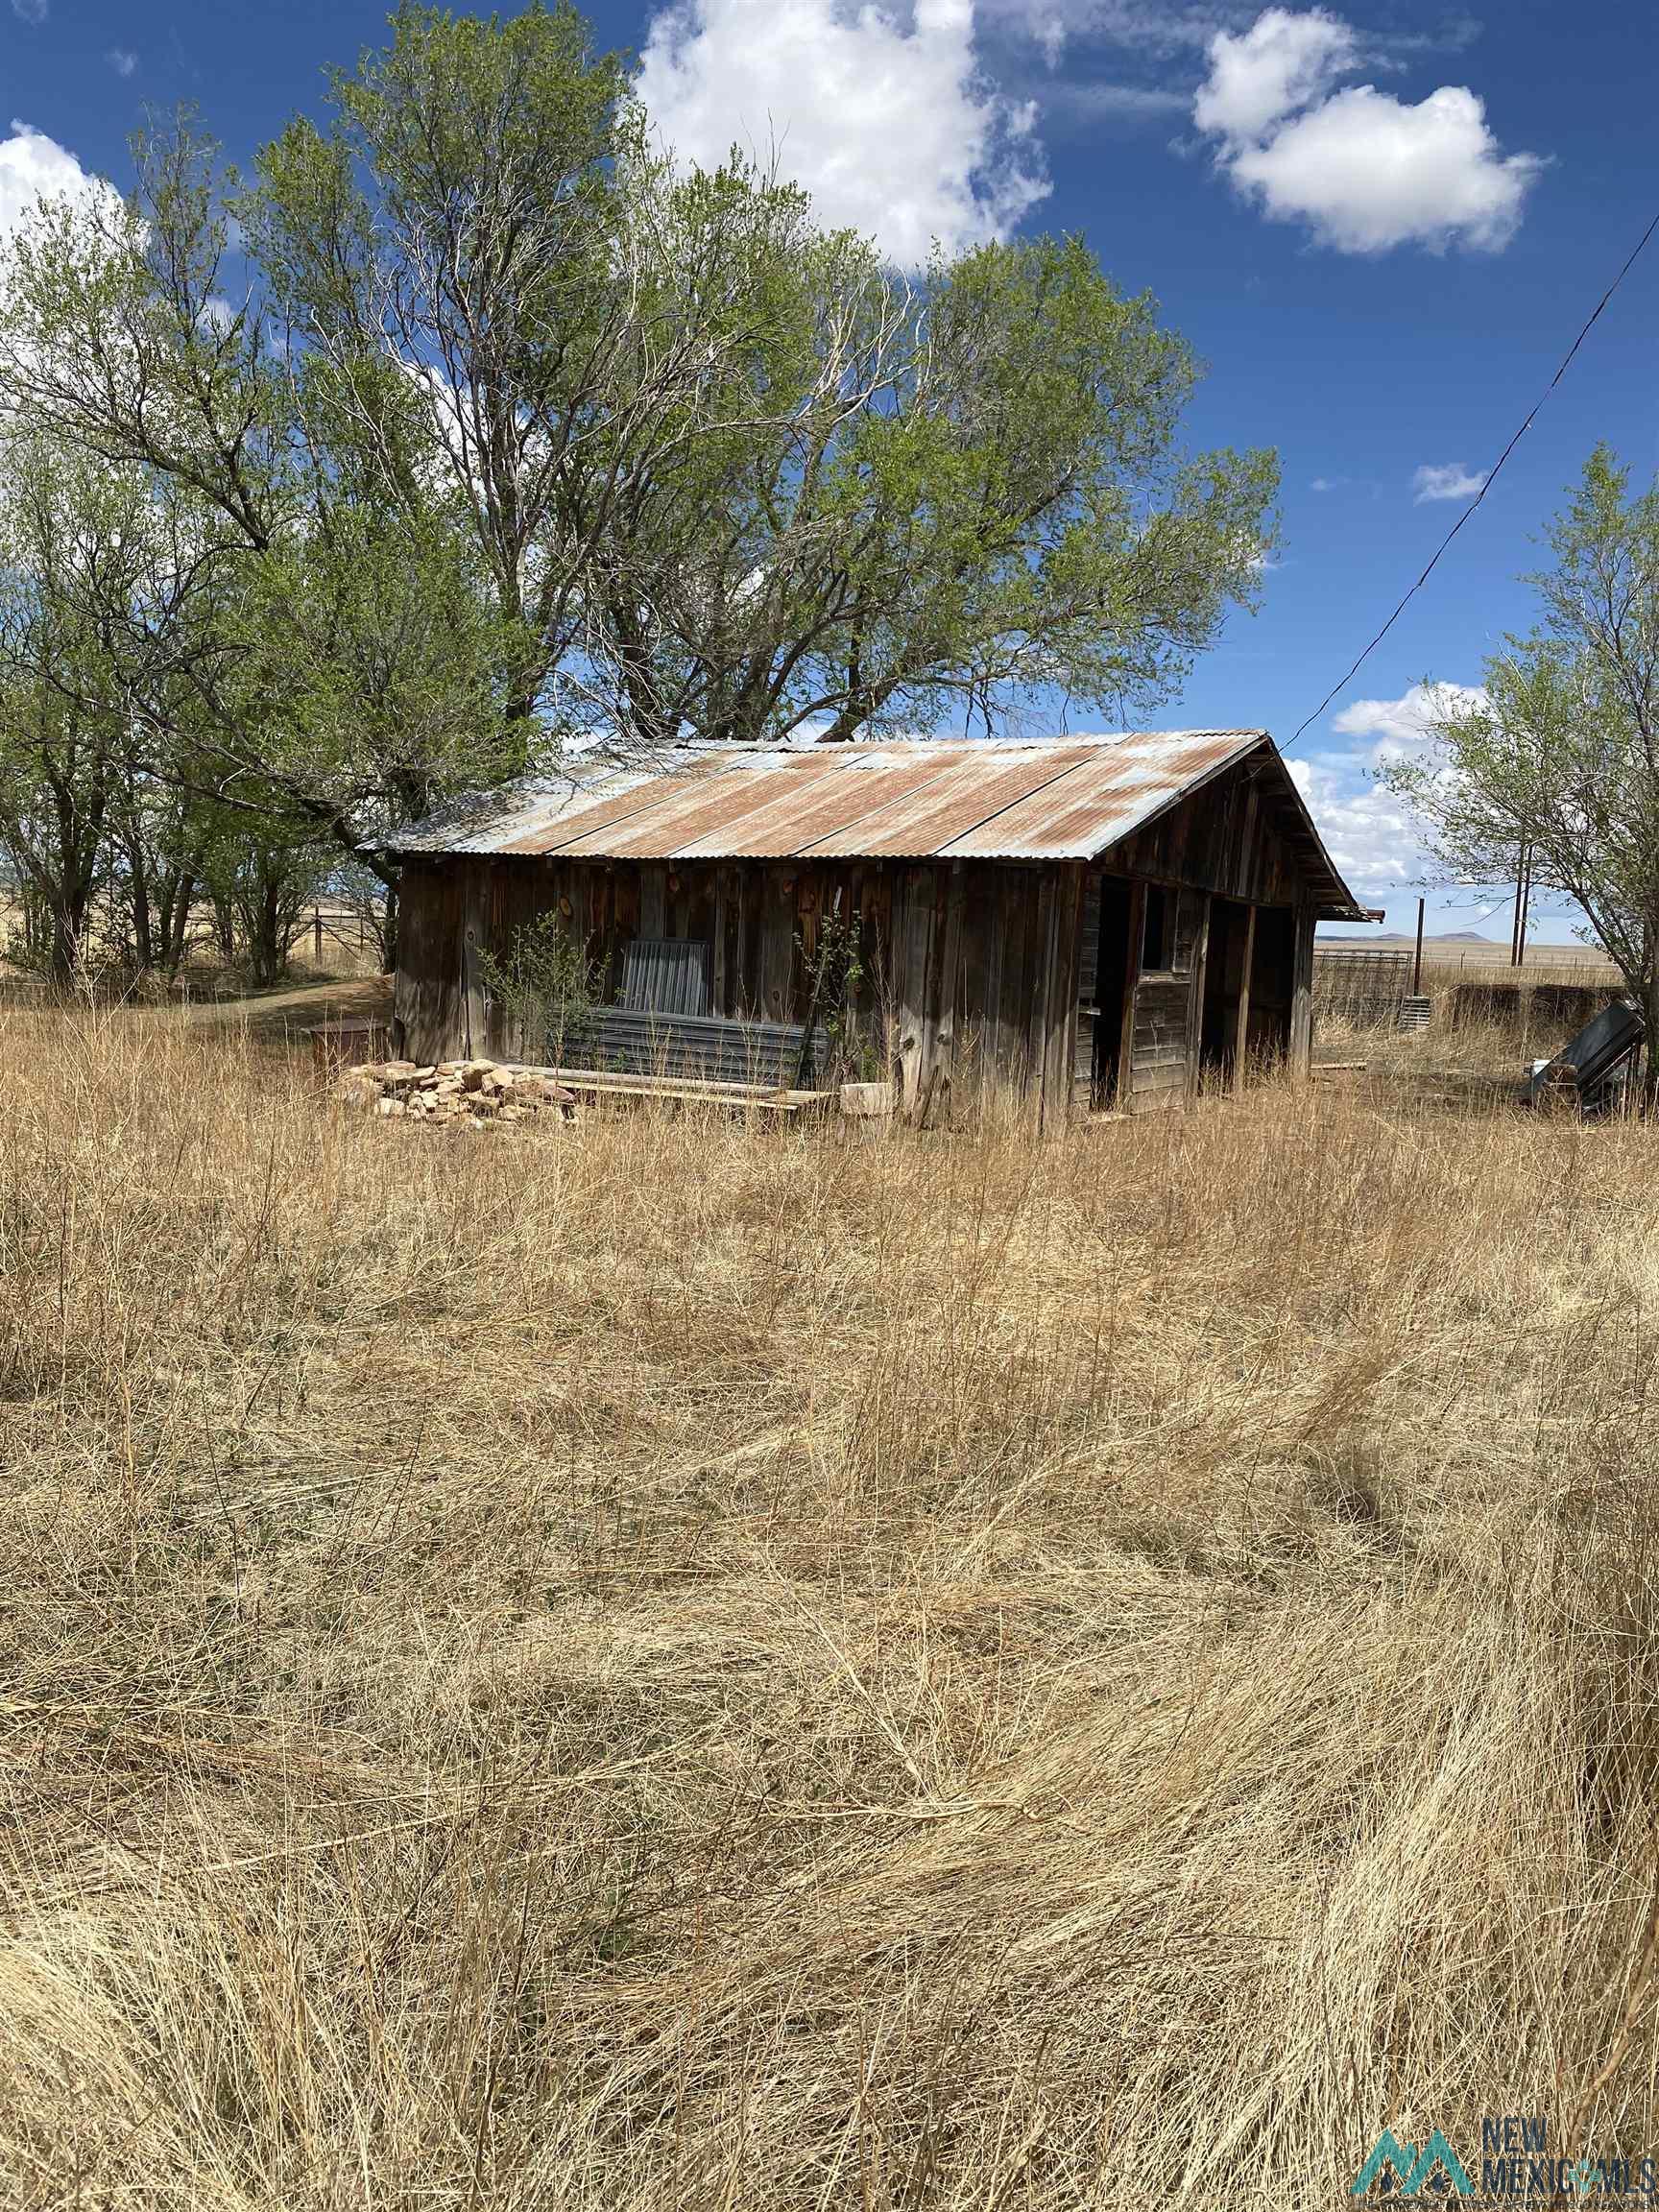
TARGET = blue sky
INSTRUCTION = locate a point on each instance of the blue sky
(1382, 280)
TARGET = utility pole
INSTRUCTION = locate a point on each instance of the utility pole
(1522, 889)
(1417, 961)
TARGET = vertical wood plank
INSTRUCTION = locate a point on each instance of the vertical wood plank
(757, 886)
(472, 925)
(913, 942)
(950, 972)
(1244, 865)
(1131, 992)
(1301, 989)
(1195, 998)
(653, 902)
(1241, 1017)
(1058, 997)
(777, 944)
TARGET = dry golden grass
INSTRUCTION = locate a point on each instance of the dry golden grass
(669, 1666)
(1444, 965)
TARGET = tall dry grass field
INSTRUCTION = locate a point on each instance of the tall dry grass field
(672, 1665)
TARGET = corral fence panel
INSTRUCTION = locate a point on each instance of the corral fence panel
(1365, 986)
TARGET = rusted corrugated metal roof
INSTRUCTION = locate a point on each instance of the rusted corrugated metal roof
(1111, 791)
(1050, 799)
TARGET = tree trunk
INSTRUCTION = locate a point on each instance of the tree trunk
(65, 946)
(176, 924)
(266, 953)
(1648, 996)
(143, 929)
(68, 901)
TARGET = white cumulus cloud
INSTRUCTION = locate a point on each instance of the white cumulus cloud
(1446, 480)
(122, 60)
(1361, 169)
(1283, 61)
(1399, 728)
(1367, 831)
(1371, 834)
(34, 167)
(885, 118)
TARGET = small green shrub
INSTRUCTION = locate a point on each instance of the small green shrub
(545, 982)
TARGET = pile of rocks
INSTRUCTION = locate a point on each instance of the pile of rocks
(470, 1091)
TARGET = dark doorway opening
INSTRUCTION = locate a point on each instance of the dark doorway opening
(1224, 976)
(1111, 987)
(1270, 974)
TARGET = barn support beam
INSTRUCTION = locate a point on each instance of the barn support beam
(1303, 923)
(472, 945)
(1195, 1001)
(1241, 1013)
(1057, 1040)
(1131, 991)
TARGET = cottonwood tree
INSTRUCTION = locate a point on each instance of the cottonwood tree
(81, 568)
(156, 844)
(360, 684)
(944, 499)
(1562, 753)
(501, 427)
(318, 660)
(727, 472)
(498, 296)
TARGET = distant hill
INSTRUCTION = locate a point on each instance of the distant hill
(1406, 937)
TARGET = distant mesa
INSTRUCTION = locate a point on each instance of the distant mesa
(1401, 937)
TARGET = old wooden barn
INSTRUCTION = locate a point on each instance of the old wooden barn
(1096, 920)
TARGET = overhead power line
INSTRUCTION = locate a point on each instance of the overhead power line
(1595, 316)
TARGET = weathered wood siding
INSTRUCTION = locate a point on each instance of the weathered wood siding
(967, 966)
(1302, 987)
(427, 990)
(971, 968)
(763, 922)
(1231, 840)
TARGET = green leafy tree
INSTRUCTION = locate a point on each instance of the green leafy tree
(505, 428)
(1561, 752)
(317, 660)
(262, 875)
(156, 851)
(443, 258)
(82, 568)
(942, 502)
(726, 472)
